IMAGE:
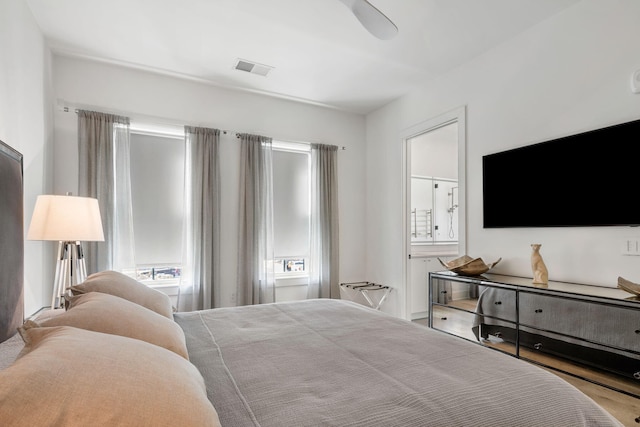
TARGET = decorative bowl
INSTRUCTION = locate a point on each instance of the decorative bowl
(625, 285)
(467, 266)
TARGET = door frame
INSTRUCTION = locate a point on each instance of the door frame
(456, 115)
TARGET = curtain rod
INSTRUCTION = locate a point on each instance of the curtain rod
(295, 142)
(64, 106)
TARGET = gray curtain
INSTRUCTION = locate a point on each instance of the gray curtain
(200, 283)
(104, 173)
(256, 282)
(323, 280)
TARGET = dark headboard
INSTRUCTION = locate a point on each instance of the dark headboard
(11, 242)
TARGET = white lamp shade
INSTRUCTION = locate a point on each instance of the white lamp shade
(66, 219)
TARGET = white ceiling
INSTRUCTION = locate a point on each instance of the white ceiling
(320, 52)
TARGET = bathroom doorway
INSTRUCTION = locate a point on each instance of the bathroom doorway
(434, 202)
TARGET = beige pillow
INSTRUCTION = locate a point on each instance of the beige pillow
(123, 286)
(110, 314)
(74, 377)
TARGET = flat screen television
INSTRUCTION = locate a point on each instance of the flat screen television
(582, 180)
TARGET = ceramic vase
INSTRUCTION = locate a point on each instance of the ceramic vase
(540, 272)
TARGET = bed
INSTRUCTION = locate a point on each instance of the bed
(306, 363)
(337, 363)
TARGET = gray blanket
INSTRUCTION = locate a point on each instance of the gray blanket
(337, 363)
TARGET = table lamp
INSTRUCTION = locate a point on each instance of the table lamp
(68, 220)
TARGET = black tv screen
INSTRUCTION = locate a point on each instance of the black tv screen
(587, 179)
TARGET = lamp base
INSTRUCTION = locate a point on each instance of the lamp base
(70, 270)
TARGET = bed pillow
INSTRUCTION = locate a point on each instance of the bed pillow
(74, 377)
(123, 286)
(110, 314)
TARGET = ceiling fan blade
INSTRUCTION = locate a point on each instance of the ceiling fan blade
(372, 19)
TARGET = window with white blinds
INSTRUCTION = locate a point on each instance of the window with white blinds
(291, 207)
(157, 190)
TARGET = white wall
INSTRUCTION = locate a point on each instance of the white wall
(145, 96)
(435, 153)
(566, 75)
(25, 124)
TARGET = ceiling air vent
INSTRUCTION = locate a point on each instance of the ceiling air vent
(252, 67)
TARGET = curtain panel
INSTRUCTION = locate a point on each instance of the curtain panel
(256, 282)
(323, 277)
(104, 173)
(200, 279)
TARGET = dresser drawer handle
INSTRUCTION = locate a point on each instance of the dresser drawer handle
(537, 346)
(539, 310)
(636, 375)
(637, 331)
(443, 292)
(443, 318)
(498, 302)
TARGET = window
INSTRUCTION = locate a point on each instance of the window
(291, 208)
(157, 192)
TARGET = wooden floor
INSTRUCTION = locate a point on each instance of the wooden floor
(623, 407)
